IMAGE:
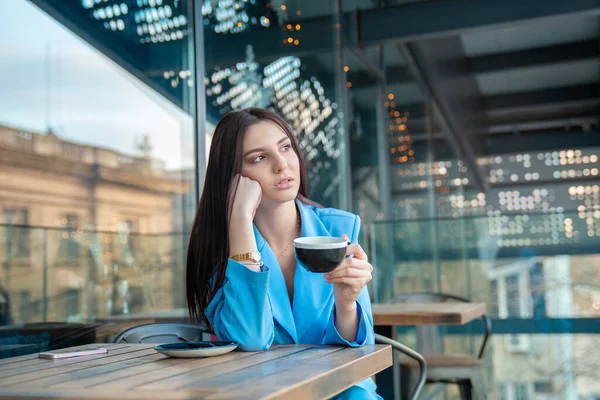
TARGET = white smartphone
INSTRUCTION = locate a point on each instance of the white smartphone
(67, 353)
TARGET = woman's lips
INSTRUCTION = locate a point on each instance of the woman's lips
(285, 184)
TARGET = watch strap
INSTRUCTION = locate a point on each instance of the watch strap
(253, 256)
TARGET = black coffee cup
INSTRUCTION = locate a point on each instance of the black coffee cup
(320, 254)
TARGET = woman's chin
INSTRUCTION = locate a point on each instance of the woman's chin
(280, 197)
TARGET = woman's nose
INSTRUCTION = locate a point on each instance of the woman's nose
(280, 164)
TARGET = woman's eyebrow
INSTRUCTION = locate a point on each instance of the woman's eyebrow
(258, 150)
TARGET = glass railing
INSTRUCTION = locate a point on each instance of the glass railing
(539, 275)
(77, 275)
(520, 265)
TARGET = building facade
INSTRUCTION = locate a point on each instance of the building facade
(86, 231)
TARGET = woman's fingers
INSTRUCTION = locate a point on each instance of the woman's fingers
(355, 249)
(351, 263)
(357, 283)
(350, 272)
(245, 196)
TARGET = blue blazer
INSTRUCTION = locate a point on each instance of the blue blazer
(253, 308)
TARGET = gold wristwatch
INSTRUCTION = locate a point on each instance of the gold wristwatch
(253, 256)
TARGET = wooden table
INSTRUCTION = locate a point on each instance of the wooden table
(426, 313)
(137, 371)
(387, 316)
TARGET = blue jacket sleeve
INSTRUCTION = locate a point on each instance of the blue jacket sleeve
(241, 309)
(365, 333)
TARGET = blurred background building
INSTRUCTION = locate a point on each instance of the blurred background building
(464, 133)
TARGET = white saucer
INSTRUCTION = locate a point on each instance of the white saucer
(196, 349)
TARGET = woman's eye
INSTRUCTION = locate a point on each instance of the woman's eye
(286, 147)
(258, 158)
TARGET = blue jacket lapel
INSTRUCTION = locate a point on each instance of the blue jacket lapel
(311, 292)
(280, 302)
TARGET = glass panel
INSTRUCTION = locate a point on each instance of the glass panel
(105, 279)
(528, 366)
(96, 157)
(514, 286)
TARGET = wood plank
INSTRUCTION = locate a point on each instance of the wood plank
(322, 378)
(426, 313)
(94, 371)
(42, 363)
(45, 368)
(32, 359)
(165, 368)
(217, 380)
(225, 368)
(104, 394)
(127, 371)
(442, 360)
(7, 363)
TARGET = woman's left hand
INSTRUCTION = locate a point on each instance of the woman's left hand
(351, 276)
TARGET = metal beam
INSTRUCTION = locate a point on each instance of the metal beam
(586, 121)
(569, 52)
(566, 122)
(563, 95)
(542, 141)
(345, 199)
(456, 132)
(200, 98)
(533, 142)
(440, 18)
(375, 71)
(539, 142)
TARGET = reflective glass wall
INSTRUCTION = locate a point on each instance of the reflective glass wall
(97, 164)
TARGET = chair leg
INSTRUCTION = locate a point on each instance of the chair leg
(478, 385)
(408, 381)
(465, 390)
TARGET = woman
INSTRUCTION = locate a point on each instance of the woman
(242, 276)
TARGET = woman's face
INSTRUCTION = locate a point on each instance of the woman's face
(269, 159)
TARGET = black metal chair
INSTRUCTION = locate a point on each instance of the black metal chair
(464, 370)
(412, 354)
(161, 333)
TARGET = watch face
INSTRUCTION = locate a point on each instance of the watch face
(255, 256)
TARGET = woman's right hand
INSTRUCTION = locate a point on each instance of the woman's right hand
(246, 199)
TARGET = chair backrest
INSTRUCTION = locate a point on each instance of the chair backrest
(161, 333)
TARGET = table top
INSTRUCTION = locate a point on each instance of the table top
(454, 313)
(137, 371)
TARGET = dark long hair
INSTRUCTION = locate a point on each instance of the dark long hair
(208, 249)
